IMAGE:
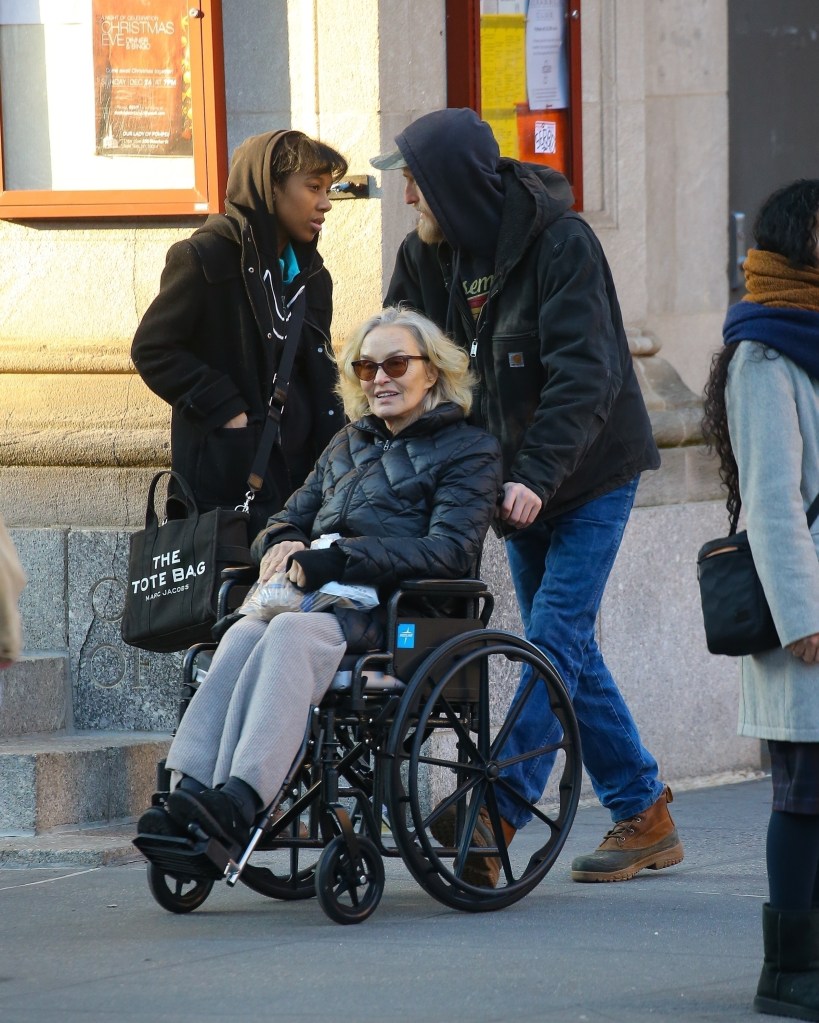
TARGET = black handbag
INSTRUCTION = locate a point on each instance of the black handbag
(735, 609)
(175, 569)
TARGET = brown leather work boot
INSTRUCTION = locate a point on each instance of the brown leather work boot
(481, 870)
(648, 840)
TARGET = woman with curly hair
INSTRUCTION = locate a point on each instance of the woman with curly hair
(762, 418)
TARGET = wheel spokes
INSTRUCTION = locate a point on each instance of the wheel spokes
(451, 707)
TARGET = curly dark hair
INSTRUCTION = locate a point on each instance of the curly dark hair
(715, 429)
(786, 224)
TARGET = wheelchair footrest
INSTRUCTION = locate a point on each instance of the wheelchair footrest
(185, 859)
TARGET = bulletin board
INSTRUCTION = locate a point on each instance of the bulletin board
(111, 108)
(517, 63)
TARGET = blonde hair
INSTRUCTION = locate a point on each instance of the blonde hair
(455, 379)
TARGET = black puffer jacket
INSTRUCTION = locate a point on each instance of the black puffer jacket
(557, 384)
(413, 505)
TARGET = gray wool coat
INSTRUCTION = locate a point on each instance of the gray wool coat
(773, 420)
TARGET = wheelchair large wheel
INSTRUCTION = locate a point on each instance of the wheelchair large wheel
(175, 894)
(349, 892)
(450, 748)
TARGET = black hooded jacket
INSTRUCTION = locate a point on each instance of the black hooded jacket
(211, 340)
(557, 384)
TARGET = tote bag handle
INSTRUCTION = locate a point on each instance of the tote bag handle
(151, 518)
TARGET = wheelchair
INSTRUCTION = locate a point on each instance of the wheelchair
(403, 736)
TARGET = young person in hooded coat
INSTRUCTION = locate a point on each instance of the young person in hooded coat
(212, 339)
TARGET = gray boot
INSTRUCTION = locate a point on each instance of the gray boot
(789, 982)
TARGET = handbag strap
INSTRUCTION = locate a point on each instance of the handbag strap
(813, 511)
(275, 407)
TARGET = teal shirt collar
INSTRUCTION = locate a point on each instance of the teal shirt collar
(289, 264)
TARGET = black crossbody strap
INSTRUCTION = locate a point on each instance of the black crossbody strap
(281, 383)
(813, 511)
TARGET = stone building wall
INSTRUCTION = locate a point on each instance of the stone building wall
(81, 435)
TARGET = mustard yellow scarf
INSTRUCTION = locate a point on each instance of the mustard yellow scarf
(771, 280)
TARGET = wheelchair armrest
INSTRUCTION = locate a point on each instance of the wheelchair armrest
(472, 594)
(240, 574)
(235, 582)
(444, 587)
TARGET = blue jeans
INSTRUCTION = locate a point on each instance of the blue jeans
(560, 569)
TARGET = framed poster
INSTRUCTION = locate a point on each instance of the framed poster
(111, 108)
(142, 78)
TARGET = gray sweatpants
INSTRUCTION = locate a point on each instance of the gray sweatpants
(248, 717)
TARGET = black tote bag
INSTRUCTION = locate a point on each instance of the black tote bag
(174, 572)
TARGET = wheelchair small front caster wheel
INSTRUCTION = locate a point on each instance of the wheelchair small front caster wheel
(349, 892)
(177, 895)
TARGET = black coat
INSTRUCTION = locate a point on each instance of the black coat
(414, 505)
(210, 352)
(557, 384)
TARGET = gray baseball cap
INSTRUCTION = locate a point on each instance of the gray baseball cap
(389, 161)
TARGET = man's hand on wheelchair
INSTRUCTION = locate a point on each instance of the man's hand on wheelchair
(275, 559)
(520, 505)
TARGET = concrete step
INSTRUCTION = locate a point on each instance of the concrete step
(86, 847)
(35, 695)
(50, 781)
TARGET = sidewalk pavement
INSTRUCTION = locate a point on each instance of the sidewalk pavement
(82, 943)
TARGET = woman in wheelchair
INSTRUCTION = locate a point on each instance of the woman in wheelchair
(411, 488)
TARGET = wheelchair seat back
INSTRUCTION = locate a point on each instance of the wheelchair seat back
(415, 638)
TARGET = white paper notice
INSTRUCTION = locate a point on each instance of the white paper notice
(547, 79)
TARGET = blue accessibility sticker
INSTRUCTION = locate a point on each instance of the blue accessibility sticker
(406, 636)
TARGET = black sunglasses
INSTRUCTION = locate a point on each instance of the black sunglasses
(395, 366)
